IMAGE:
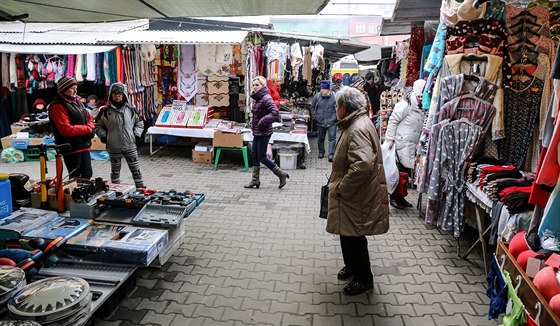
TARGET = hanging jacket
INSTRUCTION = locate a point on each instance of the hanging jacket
(404, 128)
(264, 113)
(323, 110)
(119, 126)
(358, 199)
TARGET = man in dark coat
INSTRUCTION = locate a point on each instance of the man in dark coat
(324, 114)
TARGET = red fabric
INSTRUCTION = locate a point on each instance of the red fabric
(493, 169)
(538, 195)
(402, 189)
(550, 170)
(509, 190)
(59, 117)
(274, 91)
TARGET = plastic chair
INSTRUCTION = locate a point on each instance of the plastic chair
(242, 149)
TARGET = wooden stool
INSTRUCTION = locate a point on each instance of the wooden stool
(242, 149)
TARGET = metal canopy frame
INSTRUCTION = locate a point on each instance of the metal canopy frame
(110, 10)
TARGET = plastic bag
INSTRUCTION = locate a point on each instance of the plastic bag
(390, 166)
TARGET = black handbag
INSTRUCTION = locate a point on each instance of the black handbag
(324, 211)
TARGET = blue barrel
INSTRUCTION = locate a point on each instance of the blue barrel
(5, 195)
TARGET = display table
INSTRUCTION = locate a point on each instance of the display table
(209, 134)
(483, 205)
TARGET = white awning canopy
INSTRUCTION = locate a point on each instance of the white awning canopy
(55, 49)
(175, 37)
(111, 10)
(335, 47)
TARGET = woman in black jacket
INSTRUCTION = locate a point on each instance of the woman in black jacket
(264, 113)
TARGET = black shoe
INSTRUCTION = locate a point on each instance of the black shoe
(396, 204)
(321, 155)
(357, 287)
(344, 273)
(330, 158)
(404, 202)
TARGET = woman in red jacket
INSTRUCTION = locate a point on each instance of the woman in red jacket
(72, 124)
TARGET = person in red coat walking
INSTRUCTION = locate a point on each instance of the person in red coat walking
(72, 124)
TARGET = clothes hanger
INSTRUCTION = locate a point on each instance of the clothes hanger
(538, 306)
(472, 57)
(519, 279)
(524, 12)
(523, 40)
(471, 77)
(524, 21)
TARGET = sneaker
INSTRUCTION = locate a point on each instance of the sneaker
(357, 287)
(330, 158)
(321, 155)
(344, 273)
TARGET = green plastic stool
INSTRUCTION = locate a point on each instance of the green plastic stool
(243, 149)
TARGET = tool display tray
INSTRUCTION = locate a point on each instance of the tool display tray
(161, 215)
(117, 214)
(199, 198)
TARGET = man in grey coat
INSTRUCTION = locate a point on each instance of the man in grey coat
(119, 126)
(324, 114)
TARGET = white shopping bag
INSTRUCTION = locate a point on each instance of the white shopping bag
(390, 166)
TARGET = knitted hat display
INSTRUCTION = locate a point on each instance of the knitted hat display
(65, 83)
(38, 102)
(325, 84)
(545, 281)
(92, 97)
(555, 304)
(518, 244)
(523, 258)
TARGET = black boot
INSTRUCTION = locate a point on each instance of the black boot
(404, 202)
(395, 202)
(255, 182)
(281, 175)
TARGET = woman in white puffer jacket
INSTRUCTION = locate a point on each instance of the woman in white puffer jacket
(403, 132)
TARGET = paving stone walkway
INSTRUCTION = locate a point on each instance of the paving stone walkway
(262, 257)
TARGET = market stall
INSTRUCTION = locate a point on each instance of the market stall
(490, 138)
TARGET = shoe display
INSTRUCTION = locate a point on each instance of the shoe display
(344, 273)
(357, 287)
(404, 202)
(396, 204)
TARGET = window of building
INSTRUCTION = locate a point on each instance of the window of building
(360, 28)
(372, 29)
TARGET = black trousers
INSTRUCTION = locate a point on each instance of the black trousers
(79, 165)
(356, 257)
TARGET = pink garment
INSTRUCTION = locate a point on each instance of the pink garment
(550, 170)
(71, 66)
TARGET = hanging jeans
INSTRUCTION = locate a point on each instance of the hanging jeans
(258, 152)
(78, 165)
(356, 257)
(321, 133)
(131, 157)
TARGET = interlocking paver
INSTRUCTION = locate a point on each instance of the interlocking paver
(268, 245)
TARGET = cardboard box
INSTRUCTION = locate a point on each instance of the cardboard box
(204, 157)
(7, 142)
(97, 145)
(227, 140)
(16, 128)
